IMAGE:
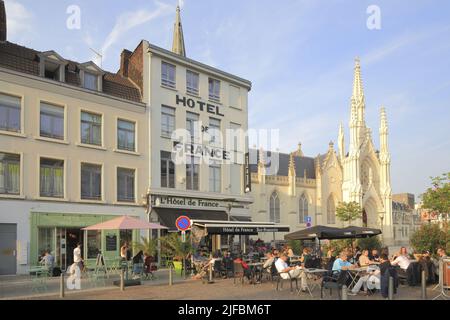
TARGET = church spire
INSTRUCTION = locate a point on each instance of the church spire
(383, 132)
(341, 146)
(178, 38)
(2, 22)
(291, 165)
(358, 92)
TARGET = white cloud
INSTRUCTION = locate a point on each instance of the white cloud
(129, 20)
(19, 21)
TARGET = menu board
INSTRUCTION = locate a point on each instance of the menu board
(111, 242)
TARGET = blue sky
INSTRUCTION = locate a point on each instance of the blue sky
(299, 56)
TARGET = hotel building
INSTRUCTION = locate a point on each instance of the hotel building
(73, 152)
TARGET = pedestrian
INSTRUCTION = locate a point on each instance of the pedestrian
(77, 257)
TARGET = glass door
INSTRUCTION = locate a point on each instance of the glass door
(61, 248)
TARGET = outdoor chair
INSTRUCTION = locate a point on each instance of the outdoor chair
(187, 267)
(238, 272)
(138, 271)
(219, 269)
(149, 268)
(291, 280)
(229, 266)
(334, 281)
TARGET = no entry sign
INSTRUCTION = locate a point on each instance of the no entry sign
(183, 223)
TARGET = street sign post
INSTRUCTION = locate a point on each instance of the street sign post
(183, 223)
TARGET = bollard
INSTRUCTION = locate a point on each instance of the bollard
(121, 281)
(424, 285)
(61, 284)
(210, 274)
(170, 275)
(344, 295)
(391, 288)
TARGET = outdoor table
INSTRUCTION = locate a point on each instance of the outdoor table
(38, 269)
(354, 274)
(253, 266)
(310, 273)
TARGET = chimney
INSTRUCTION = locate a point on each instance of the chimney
(124, 61)
(2, 21)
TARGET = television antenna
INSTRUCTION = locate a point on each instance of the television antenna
(98, 55)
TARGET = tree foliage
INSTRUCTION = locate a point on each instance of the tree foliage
(148, 246)
(348, 211)
(429, 237)
(173, 246)
(369, 243)
(437, 197)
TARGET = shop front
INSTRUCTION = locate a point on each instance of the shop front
(59, 233)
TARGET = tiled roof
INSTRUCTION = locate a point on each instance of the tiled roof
(301, 164)
(22, 59)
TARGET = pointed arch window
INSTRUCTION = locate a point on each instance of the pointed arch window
(274, 209)
(331, 210)
(303, 209)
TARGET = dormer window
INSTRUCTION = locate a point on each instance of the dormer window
(52, 66)
(91, 76)
(90, 81)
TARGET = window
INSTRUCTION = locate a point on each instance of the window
(214, 89)
(126, 135)
(167, 121)
(274, 208)
(94, 241)
(51, 178)
(214, 132)
(10, 113)
(52, 121)
(167, 170)
(90, 81)
(52, 71)
(215, 181)
(91, 181)
(331, 210)
(125, 185)
(9, 173)
(192, 82)
(91, 128)
(167, 75)
(192, 173)
(192, 126)
(303, 209)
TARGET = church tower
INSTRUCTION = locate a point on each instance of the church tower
(178, 37)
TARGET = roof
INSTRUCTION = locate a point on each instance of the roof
(301, 164)
(26, 60)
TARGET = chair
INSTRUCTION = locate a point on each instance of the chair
(219, 269)
(149, 268)
(280, 281)
(187, 267)
(39, 281)
(229, 266)
(238, 272)
(138, 271)
(334, 281)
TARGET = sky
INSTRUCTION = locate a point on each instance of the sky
(299, 55)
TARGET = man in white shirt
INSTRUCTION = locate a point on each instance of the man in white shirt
(402, 261)
(294, 272)
(77, 256)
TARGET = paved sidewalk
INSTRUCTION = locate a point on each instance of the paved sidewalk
(220, 290)
(16, 287)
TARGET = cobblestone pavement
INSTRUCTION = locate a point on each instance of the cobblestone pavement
(223, 289)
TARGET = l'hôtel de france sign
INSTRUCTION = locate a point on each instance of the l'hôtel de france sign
(202, 106)
(164, 201)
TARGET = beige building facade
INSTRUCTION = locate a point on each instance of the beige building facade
(73, 152)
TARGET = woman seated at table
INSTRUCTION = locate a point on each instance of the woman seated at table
(373, 277)
(364, 260)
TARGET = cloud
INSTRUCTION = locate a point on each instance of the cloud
(129, 20)
(19, 21)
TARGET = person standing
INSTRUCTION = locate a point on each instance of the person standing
(124, 251)
(77, 256)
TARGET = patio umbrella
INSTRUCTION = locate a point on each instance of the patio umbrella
(124, 223)
(360, 232)
(316, 232)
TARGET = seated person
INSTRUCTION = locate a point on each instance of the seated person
(247, 271)
(374, 256)
(373, 277)
(364, 258)
(402, 261)
(138, 262)
(48, 261)
(342, 263)
(305, 259)
(287, 272)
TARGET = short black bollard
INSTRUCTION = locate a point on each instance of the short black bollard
(424, 285)
(344, 295)
(61, 286)
(122, 286)
(391, 288)
(170, 275)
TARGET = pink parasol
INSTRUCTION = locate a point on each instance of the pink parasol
(124, 223)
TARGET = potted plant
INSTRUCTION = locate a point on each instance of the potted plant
(148, 246)
(173, 246)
